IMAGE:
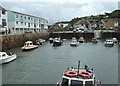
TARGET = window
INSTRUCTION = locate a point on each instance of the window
(21, 22)
(25, 23)
(25, 17)
(65, 82)
(29, 18)
(89, 83)
(4, 23)
(28, 24)
(3, 55)
(16, 22)
(76, 83)
(3, 11)
(16, 15)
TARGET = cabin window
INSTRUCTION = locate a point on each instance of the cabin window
(88, 83)
(76, 83)
(30, 43)
(3, 55)
(65, 82)
(0, 56)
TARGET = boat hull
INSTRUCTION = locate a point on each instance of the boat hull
(29, 48)
(109, 45)
(74, 45)
(57, 43)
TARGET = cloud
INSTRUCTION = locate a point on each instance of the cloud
(54, 10)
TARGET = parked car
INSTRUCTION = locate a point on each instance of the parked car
(28, 31)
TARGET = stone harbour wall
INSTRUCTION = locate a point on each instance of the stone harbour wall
(12, 41)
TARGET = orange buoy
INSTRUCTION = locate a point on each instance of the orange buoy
(71, 73)
(85, 74)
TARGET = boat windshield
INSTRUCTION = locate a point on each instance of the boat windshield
(65, 82)
(76, 83)
(89, 83)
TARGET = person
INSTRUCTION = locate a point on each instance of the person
(6, 31)
(9, 31)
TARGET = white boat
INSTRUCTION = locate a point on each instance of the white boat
(109, 43)
(74, 42)
(29, 46)
(78, 77)
(57, 41)
(115, 40)
(81, 40)
(5, 58)
(51, 40)
(39, 42)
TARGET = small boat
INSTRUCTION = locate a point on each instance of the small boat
(94, 40)
(57, 42)
(109, 43)
(51, 40)
(81, 40)
(115, 40)
(7, 57)
(29, 46)
(39, 41)
(78, 77)
(74, 42)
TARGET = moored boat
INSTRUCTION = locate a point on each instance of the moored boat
(115, 40)
(57, 41)
(78, 77)
(7, 57)
(29, 46)
(81, 40)
(94, 40)
(74, 42)
(109, 43)
(51, 40)
(39, 42)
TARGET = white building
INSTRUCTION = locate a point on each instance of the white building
(19, 23)
(3, 20)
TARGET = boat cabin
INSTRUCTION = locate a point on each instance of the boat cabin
(2, 55)
(74, 78)
(28, 43)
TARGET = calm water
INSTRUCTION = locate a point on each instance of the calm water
(46, 64)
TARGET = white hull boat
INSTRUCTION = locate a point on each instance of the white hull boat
(29, 46)
(78, 77)
(5, 58)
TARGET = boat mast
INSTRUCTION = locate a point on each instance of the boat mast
(78, 66)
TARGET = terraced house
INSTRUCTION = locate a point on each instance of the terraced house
(19, 23)
(3, 20)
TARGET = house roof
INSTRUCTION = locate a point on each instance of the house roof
(1, 8)
(25, 14)
(82, 22)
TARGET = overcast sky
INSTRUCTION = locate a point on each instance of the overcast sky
(60, 10)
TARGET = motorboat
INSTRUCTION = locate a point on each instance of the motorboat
(115, 40)
(78, 77)
(81, 40)
(29, 46)
(94, 40)
(51, 40)
(57, 41)
(74, 42)
(109, 43)
(39, 41)
(7, 57)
